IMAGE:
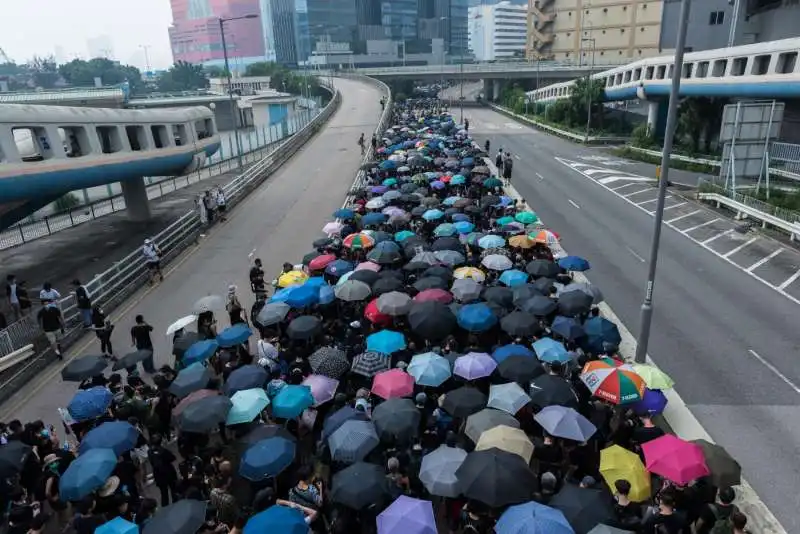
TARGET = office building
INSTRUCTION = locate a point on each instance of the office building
(195, 36)
(498, 31)
(609, 30)
(285, 28)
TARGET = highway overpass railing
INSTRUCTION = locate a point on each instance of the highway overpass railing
(112, 287)
(489, 67)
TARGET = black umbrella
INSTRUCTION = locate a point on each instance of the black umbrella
(432, 320)
(246, 377)
(449, 212)
(366, 276)
(304, 327)
(542, 269)
(574, 303)
(396, 420)
(544, 285)
(496, 478)
(525, 292)
(539, 306)
(725, 471)
(520, 323)
(386, 285)
(408, 188)
(439, 271)
(391, 273)
(12, 458)
(360, 486)
(489, 200)
(448, 243)
(189, 381)
(415, 266)
(503, 296)
(584, 508)
(380, 236)
(464, 401)
(310, 256)
(384, 256)
(181, 345)
(262, 432)
(204, 415)
(521, 369)
(548, 390)
(82, 368)
(322, 242)
(131, 359)
(330, 362)
(273, 313)
(185, 516)
(419, 210)
(431, 282)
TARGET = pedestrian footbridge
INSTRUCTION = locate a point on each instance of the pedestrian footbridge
(47, 151)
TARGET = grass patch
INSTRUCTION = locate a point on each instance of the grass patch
(629, 153)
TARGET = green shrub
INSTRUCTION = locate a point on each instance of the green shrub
(642, 137)
(67, 202)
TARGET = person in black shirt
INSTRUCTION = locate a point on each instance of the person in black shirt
(164, 474)
(84, 302)
(257, 284)
(53, 325)
(647, 432)
(140, 338)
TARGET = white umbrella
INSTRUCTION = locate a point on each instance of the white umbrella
(497, 262)
(509, 398)
(180, 324)
(208, 303)
(333, 228)
(375, 203)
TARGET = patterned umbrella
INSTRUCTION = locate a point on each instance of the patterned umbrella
(429, 369)
(393, 383)
(613, 382)
(329, 361)
(370, 363)
(509, 398)
(397, 420)
(353, 441)
(474, 365)
(358, 241)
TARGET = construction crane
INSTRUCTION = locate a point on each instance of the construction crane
(4, 57)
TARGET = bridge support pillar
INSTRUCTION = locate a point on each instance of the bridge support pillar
(496, 90)
(135, 194)
(657, 117)
(487, 90)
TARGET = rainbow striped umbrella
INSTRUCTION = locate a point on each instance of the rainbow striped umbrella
(358, 241)
(613, 381)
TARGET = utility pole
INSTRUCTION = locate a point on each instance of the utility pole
(589, 85)
(672, 120)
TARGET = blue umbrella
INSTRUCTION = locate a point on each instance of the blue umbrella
(344, 213)
(247, 404)
(433, 215)
(234, 335)
(117, 526)
(403, 235)
(444, 230)
(373, 218)
(513, 278)
(601, 333)
(458, 179)
(326, 295)
(438, 184)
(386, 341)
(119, 436)
(316, 281)
(340, 417)
(291, 400)
(653, 402)
(566, 423)
(200, 351)
(549, 350)
(301, 296)
(277, 519)
(463, 227)
(574, 263)
(429, 369)
(387, 165)
(460, 217)
(246, 377)
(353, 441)
(449, 201)
(89, 403)
(491, 241)
(267, 458)
(339, 267)
(88, 472)
(506, 351)
(190, 379)
(476, 317)
(567, 327)
(532, 518)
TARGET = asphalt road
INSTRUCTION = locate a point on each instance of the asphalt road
(278, 222)
(721, 328)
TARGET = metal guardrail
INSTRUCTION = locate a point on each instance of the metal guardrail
(112, 287)
(592, 139)
(472, 68)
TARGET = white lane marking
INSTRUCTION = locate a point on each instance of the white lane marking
(611, 179)
(573, 203)
(775, 370)
(539, 176)
(676, 219)
(637, 192)
(740, 247)
(712, 221)
(651, 200)
(635, 255)
(763, 260)
(789, 280)
(679, 204)
(620, 187)
(592, 172)
(517, 156)
(713, 238)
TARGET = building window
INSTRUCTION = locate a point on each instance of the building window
(702, 69)
(739, 66)
(716, 18)
(720, 66)
(760, 64)
(786, 63)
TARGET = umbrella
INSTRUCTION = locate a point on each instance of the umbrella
(654, 378)
(725, 471)
(444, 230)
(237, 334)
(131, 359)
(304, 327)
(491, 241)
(267, 458)
(565, 423)
(466, 290)
(320, 262)
(396, 420)
(545, 237)
(117, 526)
(89, 403)
(433, 215)
(509, 398)
(436, 295)
(339, 417)
(344, 213)
(359, 241)
(513, 278)
(333, 228)
(291, 401)
(606, 529)
(246, 377)
(575, 303)
(386, 341)
(567, 327)
(386, 285)
(675, 459)
(247, 404)
(407, 515)
(119, 436)
(359, 486)
(506, 438)
(370, 363)
(339, 267)
(205, 414)
(200, 351)
(393, 383)
(82, 368)
(463, 401)
(502, 296)
(525, 292)
(292, 278)
(486, 419)
(403, 235)
(653, 402)
(476, 317)
(542, 269)
(13, 456)
(585, 287)
(573, 263)
(430, 282)
(617, 463)
(273, 313)
(612, 382)
(601, 332)
(450, 257)
(431, 320)
(521, 241)
(584, 508)
(549, 350)
(374, 218)
(532, 518)
(385, 255)
(549, 390)
(429, 369)
(519, 323)
(185, 516)
(474, 365)
(208, 303)
(472, 273)
(323, 388)
(352, 441)
(278, 519)
(180, 324)
(496, 478)
(182, 344)
(497, 262)
(539, 305)
(321, 242)
(86, 473)
(438, 471)
(366, 276)
(352, 291)
(192, 378)
(520, 369)
(394, 303)
(506, 351)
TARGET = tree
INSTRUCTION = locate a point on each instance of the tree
(263, 68)
(214, 72)
(45, 71)
(183, 76)
(582, 93)
(82, 73)
(699, 119)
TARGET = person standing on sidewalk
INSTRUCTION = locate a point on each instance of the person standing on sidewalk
(140, 338)
(52, 324)
(152, 256)
(13, 296)
(219, 198)
(83, 300)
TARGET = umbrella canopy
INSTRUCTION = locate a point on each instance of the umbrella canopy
(117, 526)
(617, 463)
(584, 508)
(432, 320)
(371, 363)
(653, 402)
(520, 369)
(476, 317)
(532, 518)
(407, 515)
(394, 303)
(247, 405)
(613, 382)
(329, 361)
(725, 471)
(200, 351)
(205, 414)
(304, 327)
(393, 383)
(507, 438)
(319, 262)
(267, 458)
(497, 262)
(600, 332)
(486, 419)
(654, 378)
(246, 377)
(549, 350)
(131, 359)
(323, 388)
(466, 290)
(190, 379)
(292, 278)
(565, 423)
(119, 436)
(520, 323)
(573, 263)
(496, 478)
(567, 327)
(589, 289)
(359, 486)
(474, 365)
(334, 421)
(208, 303)
(386, 341)
(509, 398)
(506, 351)
(13, 456)
(539, 305)
(182, 344)
(396, 420)
(606, 529)
(575, 303)
(542, 269)
(86, 473)
(463, 402)
(549, 390)
(438, 471)
(82, 368)
(185, 516)
(352, 291)
(435, 295)
(291, 401)
(675, 459)
(180, 324)
(468, 273)
(429, 369)
(352, 441)
(278, 519)
(89, 403)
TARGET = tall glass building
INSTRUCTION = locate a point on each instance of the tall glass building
(285, 30)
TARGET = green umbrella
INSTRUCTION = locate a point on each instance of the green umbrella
(492, 182)
(526, 217)
(502, 221)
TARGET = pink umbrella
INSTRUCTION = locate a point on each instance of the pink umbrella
(393, 383)
(474, 365)
(333, 228)
(435, 294)
(675, 459)
(322, 387)
(393, 211)
(369, 266)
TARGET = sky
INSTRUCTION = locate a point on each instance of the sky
(65, 27)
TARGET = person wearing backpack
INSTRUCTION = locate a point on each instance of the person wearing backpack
(715, 518)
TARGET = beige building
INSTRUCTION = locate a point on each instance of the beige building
(615, 29)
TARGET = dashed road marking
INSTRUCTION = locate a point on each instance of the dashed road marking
(715, 237)
(678, 218)
(695, 227)
(573, 203)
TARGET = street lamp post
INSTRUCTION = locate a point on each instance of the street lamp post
(589, 88)
(233, 107)
(672, 119)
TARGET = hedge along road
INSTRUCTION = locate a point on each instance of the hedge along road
(279, 220)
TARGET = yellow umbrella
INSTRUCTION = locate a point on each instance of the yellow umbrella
(470, 272)
(654, 378)
(292, 278)
(521, 241)
(507, 438)
(617, 463)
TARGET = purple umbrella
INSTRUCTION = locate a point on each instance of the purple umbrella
(378, 189)
(438, 185)
(474, 365)
(653, 402)
(322, 387)
(407, 516)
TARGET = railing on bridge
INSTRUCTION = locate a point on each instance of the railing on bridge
(490, 67)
